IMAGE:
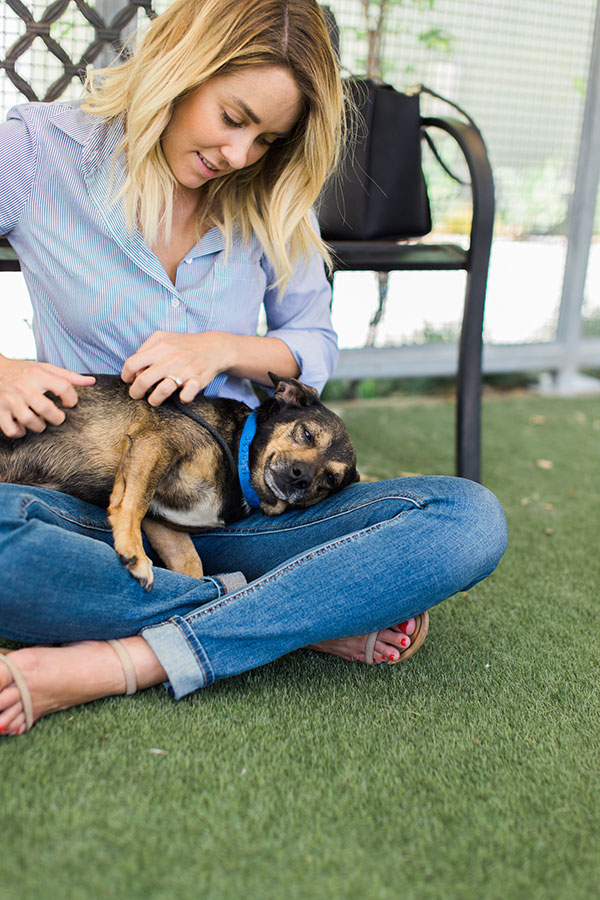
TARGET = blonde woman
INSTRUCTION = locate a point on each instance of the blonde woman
(152, 223)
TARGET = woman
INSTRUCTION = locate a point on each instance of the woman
(151, 224)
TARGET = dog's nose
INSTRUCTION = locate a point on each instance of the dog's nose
(300, 475)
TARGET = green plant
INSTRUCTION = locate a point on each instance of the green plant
(376, 19)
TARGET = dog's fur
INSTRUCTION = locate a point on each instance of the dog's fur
(157, 465)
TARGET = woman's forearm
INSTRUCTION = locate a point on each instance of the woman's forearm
(168, 359)
(255, 357)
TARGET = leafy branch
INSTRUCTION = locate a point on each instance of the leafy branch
(375, 16)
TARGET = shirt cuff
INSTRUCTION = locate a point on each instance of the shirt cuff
(316, 354)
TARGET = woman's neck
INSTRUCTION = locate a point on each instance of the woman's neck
(187, 228)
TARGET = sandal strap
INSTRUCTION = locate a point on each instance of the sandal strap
(128, 667)
(22, 689)
(370, 647)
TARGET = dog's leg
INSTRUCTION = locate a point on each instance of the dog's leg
(175, 548)
(143, 463)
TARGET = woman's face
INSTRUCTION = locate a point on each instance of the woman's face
(229, 123)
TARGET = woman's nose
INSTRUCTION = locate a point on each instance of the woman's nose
(237, 151)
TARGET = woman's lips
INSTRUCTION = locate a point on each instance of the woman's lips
(207, 169)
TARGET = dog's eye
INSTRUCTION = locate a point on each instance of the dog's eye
(307, 436)
(331, 480)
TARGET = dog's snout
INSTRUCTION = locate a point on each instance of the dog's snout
(300, 475)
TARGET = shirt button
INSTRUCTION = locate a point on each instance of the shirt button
(174, 302)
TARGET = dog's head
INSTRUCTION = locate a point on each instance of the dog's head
(301, 452)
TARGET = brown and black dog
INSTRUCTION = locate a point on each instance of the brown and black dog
(173, 467)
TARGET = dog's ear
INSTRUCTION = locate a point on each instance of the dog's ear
(289, 392)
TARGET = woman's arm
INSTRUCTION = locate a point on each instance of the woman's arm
(300, 342)
(18, 166)
(301, 319)
(197, 358)
(24, 405)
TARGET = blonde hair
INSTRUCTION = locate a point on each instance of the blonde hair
(192, 42)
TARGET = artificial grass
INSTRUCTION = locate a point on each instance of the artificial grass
(469, 772)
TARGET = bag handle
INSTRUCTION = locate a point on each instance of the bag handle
(418, 90)
(423, 89)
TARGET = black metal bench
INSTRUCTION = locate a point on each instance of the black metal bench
(392, 256)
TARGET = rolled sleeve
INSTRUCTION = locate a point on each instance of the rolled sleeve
(301, 318)
(18, 163)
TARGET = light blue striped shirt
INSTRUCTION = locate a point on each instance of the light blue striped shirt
(97, 289)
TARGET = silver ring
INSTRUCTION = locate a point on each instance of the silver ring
(176, 379)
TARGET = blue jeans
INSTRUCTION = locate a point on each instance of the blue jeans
(365, 559)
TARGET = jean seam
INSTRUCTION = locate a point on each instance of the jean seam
(89, 523)
(267, 579)
(419, 502)
(26, 502)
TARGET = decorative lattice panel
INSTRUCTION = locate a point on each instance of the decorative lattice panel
(56, 44)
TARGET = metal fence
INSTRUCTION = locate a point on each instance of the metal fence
(528, 72)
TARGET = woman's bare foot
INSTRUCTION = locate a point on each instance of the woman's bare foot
(388, 646)
(60, 677)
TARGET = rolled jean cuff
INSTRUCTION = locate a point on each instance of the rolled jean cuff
(178, 649)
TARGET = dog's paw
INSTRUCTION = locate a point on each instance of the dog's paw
(140, 569)
(273, 509)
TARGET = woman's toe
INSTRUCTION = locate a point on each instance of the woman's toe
(407, 627)
(390, 644)
(9, 697)
(11, 719)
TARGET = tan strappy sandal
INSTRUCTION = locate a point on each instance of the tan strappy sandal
(17, 677)
(416, 639)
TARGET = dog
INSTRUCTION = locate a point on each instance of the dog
(180, 468)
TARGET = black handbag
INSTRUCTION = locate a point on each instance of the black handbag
(379, 190)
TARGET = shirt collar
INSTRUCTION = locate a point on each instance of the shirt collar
(99, 137)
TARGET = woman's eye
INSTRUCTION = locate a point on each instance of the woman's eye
(276, 142)
(227, 118)
(233, 123)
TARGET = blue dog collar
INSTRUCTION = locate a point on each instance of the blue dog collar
(250, 495)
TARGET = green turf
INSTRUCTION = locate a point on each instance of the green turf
(470, 772)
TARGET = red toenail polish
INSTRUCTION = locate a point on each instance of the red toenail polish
(404, 642)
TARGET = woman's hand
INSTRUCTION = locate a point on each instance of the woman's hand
(193, 358)
(24, 405)
(167, 358)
